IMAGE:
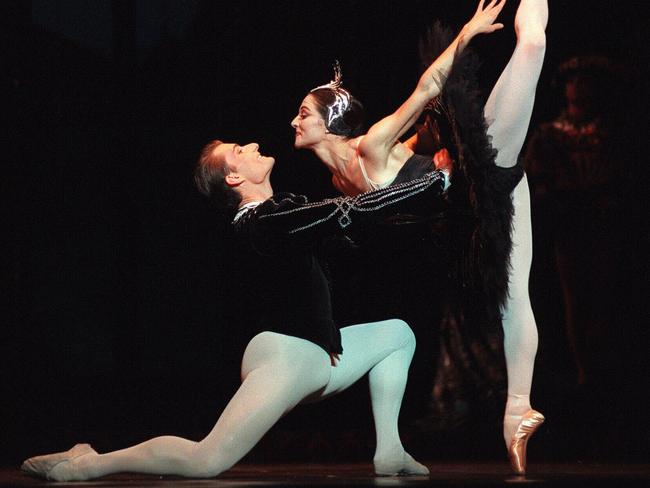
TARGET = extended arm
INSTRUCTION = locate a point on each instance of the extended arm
(382, 136)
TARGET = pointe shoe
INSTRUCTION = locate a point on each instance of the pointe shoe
(530, 422)
(406, 466)
(42, 466)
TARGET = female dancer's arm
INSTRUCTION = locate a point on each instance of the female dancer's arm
(382, 136)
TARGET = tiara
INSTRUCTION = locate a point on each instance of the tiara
(336, 110)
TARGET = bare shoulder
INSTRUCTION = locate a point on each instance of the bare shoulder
(385, 168)
(399, 154)
(355, 142)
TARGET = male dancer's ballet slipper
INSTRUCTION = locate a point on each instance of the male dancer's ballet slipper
(529, 423)
(406, 466)
(42, 466)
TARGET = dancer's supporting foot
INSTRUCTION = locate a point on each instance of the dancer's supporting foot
(399, 465)
(526, 427)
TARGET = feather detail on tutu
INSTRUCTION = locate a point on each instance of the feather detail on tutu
(480, 204)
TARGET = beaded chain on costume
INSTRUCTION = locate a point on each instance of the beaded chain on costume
(365, 202)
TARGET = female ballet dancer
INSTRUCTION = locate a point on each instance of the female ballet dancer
(329, 124)
(298, 354)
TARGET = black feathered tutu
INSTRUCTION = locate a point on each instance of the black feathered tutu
(480, 209)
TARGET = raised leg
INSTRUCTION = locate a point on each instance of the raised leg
(510, 104)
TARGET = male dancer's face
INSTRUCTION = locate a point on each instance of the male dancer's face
(245, 162)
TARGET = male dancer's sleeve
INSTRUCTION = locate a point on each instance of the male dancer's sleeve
(294, 216)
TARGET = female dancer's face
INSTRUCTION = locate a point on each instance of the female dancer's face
(309, 125)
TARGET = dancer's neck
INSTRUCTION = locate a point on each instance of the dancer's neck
(335, 154)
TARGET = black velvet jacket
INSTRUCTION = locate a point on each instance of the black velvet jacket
(287, 290)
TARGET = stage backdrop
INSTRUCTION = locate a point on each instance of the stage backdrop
(117, 299)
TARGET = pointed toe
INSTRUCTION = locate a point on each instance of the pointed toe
(530, 422)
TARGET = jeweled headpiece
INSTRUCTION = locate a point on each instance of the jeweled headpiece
(336, 110)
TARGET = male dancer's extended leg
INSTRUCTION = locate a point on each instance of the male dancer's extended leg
(508, 111)
(383, 350)
(278, 372)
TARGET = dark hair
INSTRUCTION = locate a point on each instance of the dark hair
(210, 179)
(597, 69)
(351, 124)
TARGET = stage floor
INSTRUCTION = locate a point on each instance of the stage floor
(360, 474)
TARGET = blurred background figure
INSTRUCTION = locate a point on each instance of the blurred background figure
(578, 165)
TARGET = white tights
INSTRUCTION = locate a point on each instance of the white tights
(508, 111)
(278, 372)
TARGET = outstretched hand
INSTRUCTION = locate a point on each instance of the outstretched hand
(483, 20)
(442, 161)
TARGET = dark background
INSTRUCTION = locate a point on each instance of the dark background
(117, 315)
